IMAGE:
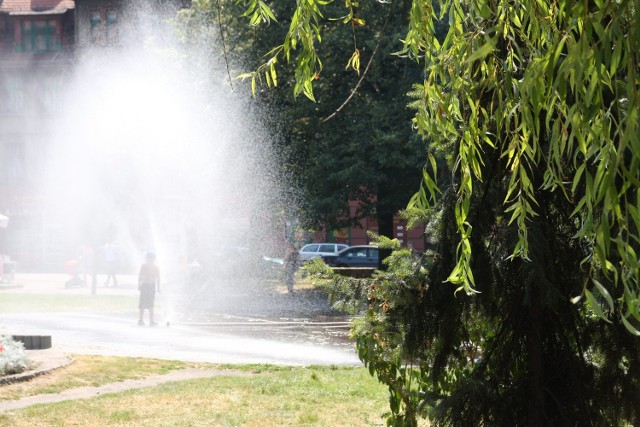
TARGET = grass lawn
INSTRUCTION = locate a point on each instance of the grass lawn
(54, 298)
(265, 396)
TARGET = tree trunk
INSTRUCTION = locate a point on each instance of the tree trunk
(385, 228)
(535, 359)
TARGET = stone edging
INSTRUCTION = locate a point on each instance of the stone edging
(42, 367)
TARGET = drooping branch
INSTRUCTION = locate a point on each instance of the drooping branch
(222, 40)
(364, 73)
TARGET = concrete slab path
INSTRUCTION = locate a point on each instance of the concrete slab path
(52, 359)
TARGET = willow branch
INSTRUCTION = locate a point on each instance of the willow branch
(224, 46)
(364, 73)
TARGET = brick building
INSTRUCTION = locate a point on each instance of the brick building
(37, 39)
(40, 43)
(357, 235)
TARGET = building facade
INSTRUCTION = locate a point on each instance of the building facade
(414, 238)
(37, 40)
(40, 44)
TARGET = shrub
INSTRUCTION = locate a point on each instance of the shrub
(13, 358)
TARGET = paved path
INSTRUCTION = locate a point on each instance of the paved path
(89, 392)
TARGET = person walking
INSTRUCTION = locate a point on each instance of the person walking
(291, 260)
(148, 284)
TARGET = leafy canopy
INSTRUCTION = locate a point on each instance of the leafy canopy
(554, 86)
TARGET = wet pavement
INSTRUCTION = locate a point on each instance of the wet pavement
(239, 327)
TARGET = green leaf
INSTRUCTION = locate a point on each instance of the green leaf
(603, 291)
(593, 304)
(266, 12)
(244, 76)
(272, 72)
(481, 52)
(577, 176)
(615, 58)
(630, 327)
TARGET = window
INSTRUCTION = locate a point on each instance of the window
(112, 27)
(357, 252)
(104, 28)
(310, 248)
(96, 27)
(39, 36)
(327, 248)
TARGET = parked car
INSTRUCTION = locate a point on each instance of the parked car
(354, 256)
(317, 250)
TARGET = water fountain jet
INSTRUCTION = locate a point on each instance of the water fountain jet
(150, 154)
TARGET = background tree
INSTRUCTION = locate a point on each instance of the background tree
(535, 106)
(346, 145)
(361, 152)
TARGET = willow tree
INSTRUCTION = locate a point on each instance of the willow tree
(528, 311)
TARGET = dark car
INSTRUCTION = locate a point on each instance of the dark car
(354, 256)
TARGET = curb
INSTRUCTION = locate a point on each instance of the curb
(40, 362)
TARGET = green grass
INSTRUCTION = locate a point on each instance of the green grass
(29, 303)
(263, 396)
(91, 371)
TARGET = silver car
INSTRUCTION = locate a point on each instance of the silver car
(317, 250)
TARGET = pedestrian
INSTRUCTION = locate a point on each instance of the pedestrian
(291, 260)
(148, 284)
(111, 263)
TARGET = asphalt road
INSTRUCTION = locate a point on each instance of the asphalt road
(221, 337)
